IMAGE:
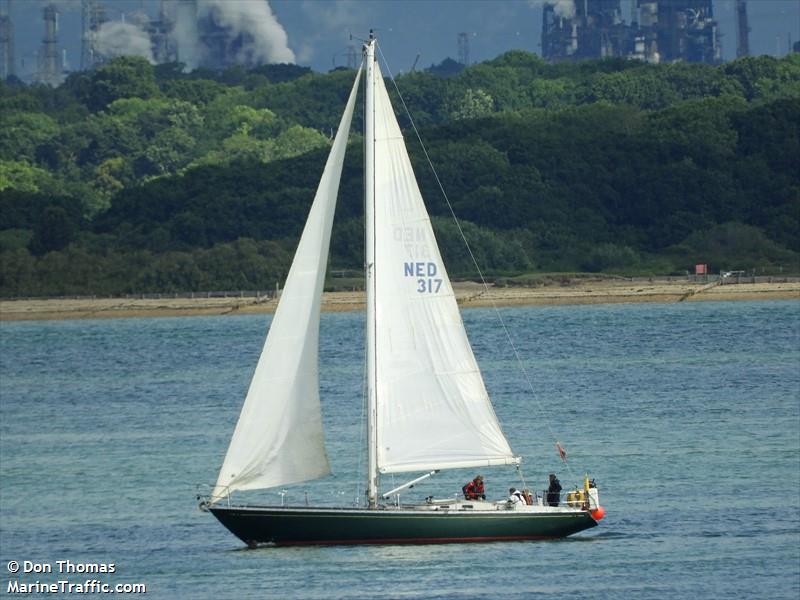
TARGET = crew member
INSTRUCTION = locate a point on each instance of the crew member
(474, 489)
(528, 496)
(516, 496)
(554, 491)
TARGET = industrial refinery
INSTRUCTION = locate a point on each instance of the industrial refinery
(658, 30)
(7, 64)
(212, 34)
(216, 34)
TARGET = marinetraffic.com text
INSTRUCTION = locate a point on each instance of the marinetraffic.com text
(68, 578)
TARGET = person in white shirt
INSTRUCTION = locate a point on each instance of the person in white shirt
(516, 497)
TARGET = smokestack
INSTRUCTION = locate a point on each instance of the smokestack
(50, 59)
(93, 16)
(6, 42)
(161, 36)
(463, 48)
(742, 30)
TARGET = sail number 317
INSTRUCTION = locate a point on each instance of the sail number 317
(425, 274)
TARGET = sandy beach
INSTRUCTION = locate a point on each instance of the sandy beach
(468, 294)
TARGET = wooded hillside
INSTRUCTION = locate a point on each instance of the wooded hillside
(141, 178)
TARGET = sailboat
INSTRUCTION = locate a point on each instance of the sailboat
(427, 406)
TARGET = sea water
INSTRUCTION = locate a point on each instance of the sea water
(687, 415)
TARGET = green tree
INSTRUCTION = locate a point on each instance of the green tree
(108, 180)
(123, 77)
(734, 246)
(552, 92)
(609, 257)
(168, 151)
(646, 89)
(260, 123)
(473, 105)
(54, 231)
(298, 140)
(22, 132)
(17, 272)
(19, 175)
(200, 92)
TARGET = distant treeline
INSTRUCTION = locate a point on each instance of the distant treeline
(140, 178)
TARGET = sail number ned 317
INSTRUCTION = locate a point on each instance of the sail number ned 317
(425, 273)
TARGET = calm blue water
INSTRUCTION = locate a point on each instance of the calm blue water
(687, 414)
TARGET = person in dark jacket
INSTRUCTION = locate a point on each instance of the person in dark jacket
(554, 491)
(474, 489)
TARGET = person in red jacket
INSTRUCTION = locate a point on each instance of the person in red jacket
(474, 489)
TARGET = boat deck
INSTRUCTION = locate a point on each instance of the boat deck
(483, 506)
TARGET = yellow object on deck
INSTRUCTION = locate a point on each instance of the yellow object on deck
(576, 498)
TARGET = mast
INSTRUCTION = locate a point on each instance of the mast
(369, 218)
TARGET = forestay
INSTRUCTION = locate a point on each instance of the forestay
(433, 410)
(278, 439)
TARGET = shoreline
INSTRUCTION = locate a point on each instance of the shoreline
(468, 295)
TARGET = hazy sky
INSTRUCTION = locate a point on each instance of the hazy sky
(318, 30)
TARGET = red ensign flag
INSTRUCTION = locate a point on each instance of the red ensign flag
(561, 451)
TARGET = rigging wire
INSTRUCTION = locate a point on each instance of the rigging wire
(474, 262)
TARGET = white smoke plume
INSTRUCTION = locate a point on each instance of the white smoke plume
(187, 40)
(270, 42)
(265, 40)
(563, 8)
(115, 38)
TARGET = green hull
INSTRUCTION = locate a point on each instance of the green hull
(319, 526)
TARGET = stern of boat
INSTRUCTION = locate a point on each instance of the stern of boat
(587, 498)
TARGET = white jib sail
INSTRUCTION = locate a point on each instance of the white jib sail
(279, 439)
(433, 408)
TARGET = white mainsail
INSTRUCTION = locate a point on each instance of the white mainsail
(278, 439)
(432, 407)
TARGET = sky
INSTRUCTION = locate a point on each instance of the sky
(317, 32)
